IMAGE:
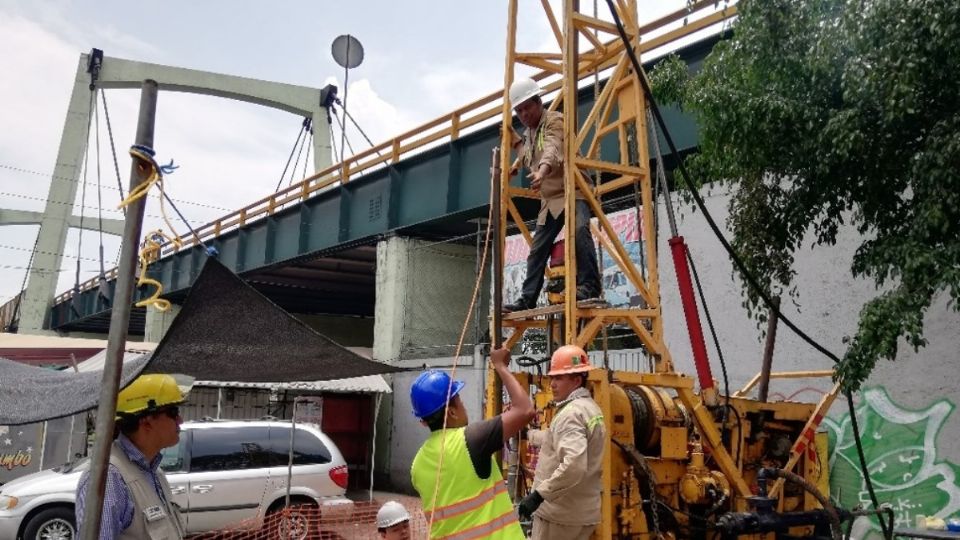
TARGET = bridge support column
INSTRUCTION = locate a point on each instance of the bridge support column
(158, 323)
(423, 292)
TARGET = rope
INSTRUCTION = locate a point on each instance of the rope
(144, 156)
(150, 253)
(456, 355)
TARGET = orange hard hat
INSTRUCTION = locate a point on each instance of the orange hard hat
(569, 359)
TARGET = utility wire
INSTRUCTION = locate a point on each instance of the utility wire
(68, 179)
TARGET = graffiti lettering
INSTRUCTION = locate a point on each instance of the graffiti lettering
(901, 452)
(15, 459)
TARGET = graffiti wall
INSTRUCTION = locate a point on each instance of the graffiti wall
(617, 289)
(19, 450)
(900, 446)
(32, 447)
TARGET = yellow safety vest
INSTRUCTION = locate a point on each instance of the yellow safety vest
(467, 506)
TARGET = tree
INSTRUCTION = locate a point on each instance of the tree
(823, 112)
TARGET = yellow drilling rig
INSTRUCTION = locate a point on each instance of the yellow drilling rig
(681, 461)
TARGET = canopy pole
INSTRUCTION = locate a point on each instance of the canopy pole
(119, 322)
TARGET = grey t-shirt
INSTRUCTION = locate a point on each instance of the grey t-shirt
(484, 438)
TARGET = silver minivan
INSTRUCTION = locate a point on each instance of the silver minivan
(223, 474)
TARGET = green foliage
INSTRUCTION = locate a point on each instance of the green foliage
(821, 113)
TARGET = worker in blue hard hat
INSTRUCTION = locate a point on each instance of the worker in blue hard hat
(460, 485)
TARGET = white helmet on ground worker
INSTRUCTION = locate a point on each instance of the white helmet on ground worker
(569, 359)
(523, 89)
(390, 514)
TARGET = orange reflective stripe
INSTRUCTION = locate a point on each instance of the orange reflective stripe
(485, 529)
(484, 497)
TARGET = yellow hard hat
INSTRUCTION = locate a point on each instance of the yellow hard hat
(569, 359)
(148, 393)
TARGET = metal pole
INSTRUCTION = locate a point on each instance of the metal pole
(764, 385)
(293, 429)
(119, 322)
(497, 252)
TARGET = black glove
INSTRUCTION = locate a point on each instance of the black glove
(529, 505)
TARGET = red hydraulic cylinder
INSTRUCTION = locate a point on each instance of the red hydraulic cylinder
(679, 250)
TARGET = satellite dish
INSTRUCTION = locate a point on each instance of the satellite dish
(347, 51)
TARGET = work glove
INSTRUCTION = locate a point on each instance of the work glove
(529, 505)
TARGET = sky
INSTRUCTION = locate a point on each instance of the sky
(423, 58)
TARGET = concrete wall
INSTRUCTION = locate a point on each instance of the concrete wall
(423, 292)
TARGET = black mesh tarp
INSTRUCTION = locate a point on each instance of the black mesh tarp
(226, 331)
(31, 394)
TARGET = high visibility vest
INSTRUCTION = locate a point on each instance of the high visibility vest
(466, 506)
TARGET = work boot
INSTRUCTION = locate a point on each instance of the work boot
(520, 305)
(586, 293)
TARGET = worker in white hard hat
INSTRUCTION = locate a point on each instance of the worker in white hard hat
(542, 153)
(393, 521)
(137, 501)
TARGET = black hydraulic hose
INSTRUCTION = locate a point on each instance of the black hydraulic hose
(748, 276)
(835, 527)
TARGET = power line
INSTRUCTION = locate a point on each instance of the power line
(43, 200)
(51, 176)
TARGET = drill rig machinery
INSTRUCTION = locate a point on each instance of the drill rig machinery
(681, 462)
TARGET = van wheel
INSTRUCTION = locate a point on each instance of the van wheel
(51, 524)
(301, 521)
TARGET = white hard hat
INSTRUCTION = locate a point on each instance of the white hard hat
(390, 514)
(522, 90)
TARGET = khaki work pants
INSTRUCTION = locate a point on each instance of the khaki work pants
(547, 530)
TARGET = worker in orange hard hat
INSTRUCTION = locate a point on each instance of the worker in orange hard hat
(565, 501)
(541, 150)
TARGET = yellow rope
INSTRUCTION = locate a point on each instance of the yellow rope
(144, 161)
(150, 253)
(456, 355)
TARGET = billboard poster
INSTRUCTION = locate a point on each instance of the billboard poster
(617, 289)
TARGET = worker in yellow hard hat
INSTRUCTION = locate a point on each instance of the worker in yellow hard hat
(541, 151)
(137, 502)
(565, 500)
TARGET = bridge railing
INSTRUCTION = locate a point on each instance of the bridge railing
(654, 36)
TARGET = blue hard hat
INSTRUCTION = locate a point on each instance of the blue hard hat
(429, 392)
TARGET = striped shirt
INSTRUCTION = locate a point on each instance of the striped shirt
(118, 507)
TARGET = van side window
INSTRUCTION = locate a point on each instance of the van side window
(219, 449)
(172, 458)
(307, 448)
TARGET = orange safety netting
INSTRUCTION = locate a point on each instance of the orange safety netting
(309, 522)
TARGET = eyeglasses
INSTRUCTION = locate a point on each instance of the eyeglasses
(173, 412)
